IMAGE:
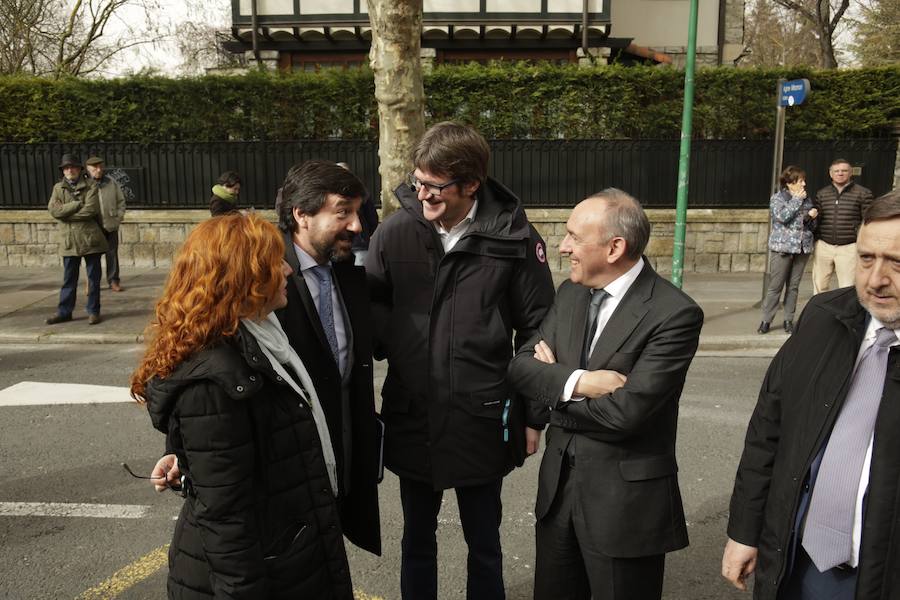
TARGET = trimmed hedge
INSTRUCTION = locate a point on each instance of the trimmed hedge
(502, 101)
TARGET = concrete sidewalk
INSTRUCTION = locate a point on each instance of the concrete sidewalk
(28, 296)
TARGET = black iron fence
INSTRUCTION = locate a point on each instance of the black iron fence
(549, 173)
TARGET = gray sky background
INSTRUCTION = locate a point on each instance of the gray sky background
(162, 55)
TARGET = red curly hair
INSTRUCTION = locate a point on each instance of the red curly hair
(228, 268)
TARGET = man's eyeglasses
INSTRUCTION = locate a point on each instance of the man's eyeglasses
(434, 189)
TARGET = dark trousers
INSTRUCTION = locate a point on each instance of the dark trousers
(67, 295)
(786, 271)
(806, 583)
(480, 512)
(112, 256)
(568, 566)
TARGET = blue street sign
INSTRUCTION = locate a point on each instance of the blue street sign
(793, 92)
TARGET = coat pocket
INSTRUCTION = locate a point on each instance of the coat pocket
(489, 404)
(642, 469)
(296, 557)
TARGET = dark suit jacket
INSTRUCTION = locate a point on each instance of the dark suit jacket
(625, 441)
(300, 320)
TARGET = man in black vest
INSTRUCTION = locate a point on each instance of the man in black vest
(841, 205)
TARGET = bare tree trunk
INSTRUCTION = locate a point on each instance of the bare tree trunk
(827, 59)
(819, 13)
(394, 57)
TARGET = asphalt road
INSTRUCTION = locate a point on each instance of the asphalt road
(72, 454)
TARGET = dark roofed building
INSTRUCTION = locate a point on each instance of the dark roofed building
(312, 34)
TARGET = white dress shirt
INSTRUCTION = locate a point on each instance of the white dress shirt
(616, 290)
(868, 340)
(307, 263)
(449, 238)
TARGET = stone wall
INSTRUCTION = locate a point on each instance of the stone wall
(717, 240)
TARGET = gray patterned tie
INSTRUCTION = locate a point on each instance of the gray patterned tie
(597, 297)
(828, 534)
(326, 307)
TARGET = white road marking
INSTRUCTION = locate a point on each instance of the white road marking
(35, 393)
(66, 509)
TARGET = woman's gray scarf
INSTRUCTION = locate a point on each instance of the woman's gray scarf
(274, 343)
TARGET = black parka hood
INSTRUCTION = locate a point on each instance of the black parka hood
(221, 364)
(500, 213)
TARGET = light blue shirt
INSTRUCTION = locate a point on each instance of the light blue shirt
(307, 263)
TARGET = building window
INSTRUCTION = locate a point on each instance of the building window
(555, 56)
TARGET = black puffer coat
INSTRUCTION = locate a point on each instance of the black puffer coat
(260, 521)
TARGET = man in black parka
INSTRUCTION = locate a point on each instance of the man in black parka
(452, 274)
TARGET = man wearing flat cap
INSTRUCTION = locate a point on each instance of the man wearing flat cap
(112, 210)
(75, 203)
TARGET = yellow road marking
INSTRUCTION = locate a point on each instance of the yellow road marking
(144, 567)
(128, 576)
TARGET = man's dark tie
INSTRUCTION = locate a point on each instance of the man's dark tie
(597, 297)
(326, 307)
(828, 534)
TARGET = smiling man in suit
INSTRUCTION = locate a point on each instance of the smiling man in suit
(328, 323)
(609, 361)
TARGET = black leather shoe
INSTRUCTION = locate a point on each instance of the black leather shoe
(789, 327)
(58, 318)
(763, 327)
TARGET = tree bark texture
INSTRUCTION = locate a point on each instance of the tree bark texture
(394, 57)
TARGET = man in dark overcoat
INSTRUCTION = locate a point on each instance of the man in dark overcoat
(816, 501)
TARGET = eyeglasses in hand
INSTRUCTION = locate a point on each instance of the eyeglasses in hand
(176, 488)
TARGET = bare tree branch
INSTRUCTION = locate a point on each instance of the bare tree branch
(824, 19)
(77, 37)
(838, 14)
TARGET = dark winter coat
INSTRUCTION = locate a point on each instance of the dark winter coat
(445, 323)
(300, 321)
(803, 392)
(792, 228)
(260, 520)
(840, 213)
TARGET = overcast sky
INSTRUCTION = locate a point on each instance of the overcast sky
(162, 54)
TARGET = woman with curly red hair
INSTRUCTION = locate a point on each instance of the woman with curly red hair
(241, 415)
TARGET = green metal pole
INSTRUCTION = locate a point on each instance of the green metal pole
(684, 161)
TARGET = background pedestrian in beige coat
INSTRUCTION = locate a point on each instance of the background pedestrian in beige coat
(76, 205)
(112, 211)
